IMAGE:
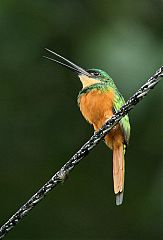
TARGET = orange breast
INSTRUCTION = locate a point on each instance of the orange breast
(97, 107)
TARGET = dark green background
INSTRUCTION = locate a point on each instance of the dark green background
(41, 126)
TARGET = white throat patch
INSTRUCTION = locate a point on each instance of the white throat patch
(87, 81)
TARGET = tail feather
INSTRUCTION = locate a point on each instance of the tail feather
(119, 198)
(118, 173)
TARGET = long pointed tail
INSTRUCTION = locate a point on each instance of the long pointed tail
(118, 172)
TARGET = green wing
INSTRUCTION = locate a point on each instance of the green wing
(124, 122)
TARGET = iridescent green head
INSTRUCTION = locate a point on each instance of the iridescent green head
(87, 77)
(99, 74)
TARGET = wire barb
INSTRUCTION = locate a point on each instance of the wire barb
(82, 152)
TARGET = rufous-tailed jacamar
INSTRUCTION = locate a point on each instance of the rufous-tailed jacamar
(98, 100)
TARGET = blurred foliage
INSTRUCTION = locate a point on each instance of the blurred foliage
(41, 126)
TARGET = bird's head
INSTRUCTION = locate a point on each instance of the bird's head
(87, 77)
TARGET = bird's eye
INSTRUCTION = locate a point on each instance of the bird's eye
(96, 74)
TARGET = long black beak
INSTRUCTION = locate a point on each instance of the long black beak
(71, 65)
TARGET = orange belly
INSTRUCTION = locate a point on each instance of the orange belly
(97, 107)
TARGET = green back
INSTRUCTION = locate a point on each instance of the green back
(124, 122)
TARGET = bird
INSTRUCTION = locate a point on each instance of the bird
(98, 100)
